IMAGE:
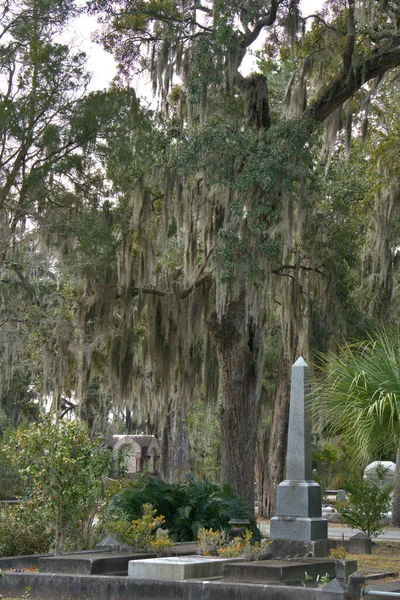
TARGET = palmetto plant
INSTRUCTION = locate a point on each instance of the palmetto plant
(357, 395)
(186, 507)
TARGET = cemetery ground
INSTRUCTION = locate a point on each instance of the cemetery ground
(385, 557)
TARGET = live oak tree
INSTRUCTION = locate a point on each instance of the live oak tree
(41, 80)
(55, 228)
(237, 197)
(191, 243)
(40, 162)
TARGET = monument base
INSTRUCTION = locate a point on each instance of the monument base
(299, 528)
(279, 549)
(296, 498)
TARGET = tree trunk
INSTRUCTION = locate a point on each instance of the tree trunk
(274, 466)
(175, 463)
(396, 492)
(239, 348)
(264, 428)
(165, 435)
(59, 540)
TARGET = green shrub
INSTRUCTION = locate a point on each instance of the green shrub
(218, 543)
(368, 503)
(186, 507)
(61, 466)
(10, 481)
(25, 529)
(143, 533)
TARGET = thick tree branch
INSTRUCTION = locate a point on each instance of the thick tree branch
(265, 20)
(207, 278)
(376, 64)
(25, 283)
(279, 270)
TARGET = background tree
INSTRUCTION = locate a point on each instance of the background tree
(40, 165)
(368, 504)
(58, 236)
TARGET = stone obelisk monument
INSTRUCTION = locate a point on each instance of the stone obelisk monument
(298, 497)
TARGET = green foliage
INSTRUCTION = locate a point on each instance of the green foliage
(218, 543)
(210, 541)
(61, 467)
(25, 528)
(324, 459)
(10, 480)
(122, 134)
(338, 553)
(258, 165)
(37, 147)
(368, 503)
(333, 464)
(186, 507)
(309, 582)
(141, 533)
(243, 545)
(343, 236)
(358, 394)
(18, 400)
(268, 159)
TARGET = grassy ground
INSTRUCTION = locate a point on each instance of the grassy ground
(385, 557)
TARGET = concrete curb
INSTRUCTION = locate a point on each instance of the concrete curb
(49, 586)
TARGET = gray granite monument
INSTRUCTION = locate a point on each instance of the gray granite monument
(298, 497)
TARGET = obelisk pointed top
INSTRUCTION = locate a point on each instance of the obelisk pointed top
(300, 362)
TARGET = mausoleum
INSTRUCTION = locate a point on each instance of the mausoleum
(141, 451)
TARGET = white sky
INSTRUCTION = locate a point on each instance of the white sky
(102, 65)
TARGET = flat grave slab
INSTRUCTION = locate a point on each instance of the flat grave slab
(90, 564)
(279, 571)
(178, 568)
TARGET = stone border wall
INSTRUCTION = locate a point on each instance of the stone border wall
(49, 586)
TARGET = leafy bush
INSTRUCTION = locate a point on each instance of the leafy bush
(241, 546)
(25, 529)
(210, 541)
(10, 481)
(60, 465)
(141, 533)
(218, 543)
(333, 463)
(338, 553)
(187, 507)
(367, 505)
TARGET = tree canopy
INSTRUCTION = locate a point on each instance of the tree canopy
(192, 252)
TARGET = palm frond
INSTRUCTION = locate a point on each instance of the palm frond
(357, 393)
